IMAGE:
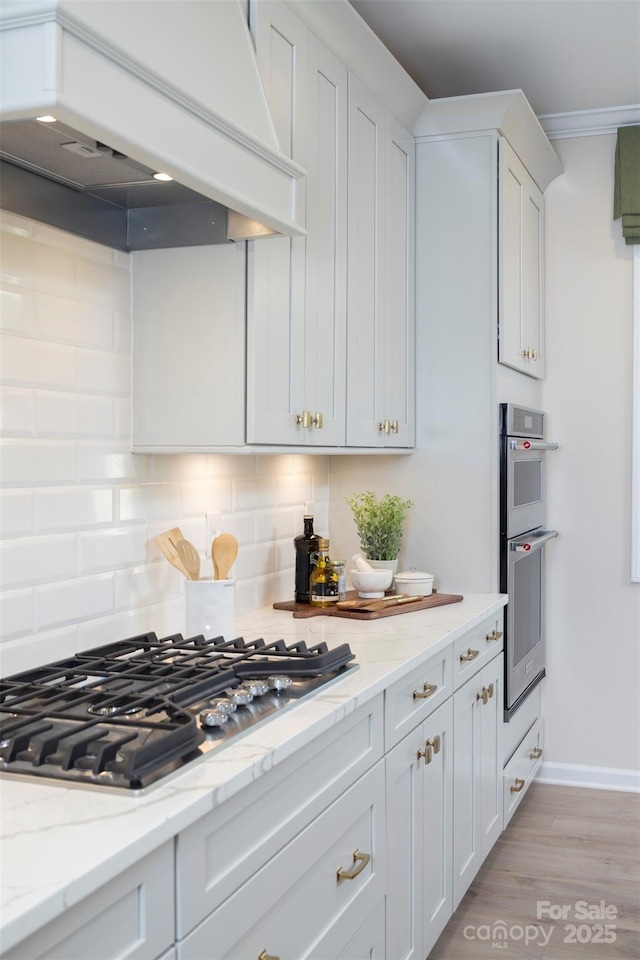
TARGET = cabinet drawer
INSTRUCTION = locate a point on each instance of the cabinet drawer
(368, 943)
(476, 648)
(296, 906)
(218, 853)
(130, 918)
(521, 770)
(416, 696)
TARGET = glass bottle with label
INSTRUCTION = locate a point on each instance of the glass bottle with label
(306, 546)
(323, 584)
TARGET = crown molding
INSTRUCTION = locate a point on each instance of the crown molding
(589, 123)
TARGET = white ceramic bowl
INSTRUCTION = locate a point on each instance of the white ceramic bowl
(371, 585)
(415, 583)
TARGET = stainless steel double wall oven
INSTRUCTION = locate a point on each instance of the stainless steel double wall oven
(523, 538)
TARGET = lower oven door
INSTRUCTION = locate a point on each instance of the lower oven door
(525, 648)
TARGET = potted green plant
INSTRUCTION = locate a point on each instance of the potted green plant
(379, 523)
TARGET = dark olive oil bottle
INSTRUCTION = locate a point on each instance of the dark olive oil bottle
(306, 544)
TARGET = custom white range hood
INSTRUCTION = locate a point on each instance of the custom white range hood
(166, 86)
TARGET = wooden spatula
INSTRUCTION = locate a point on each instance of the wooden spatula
(167, 545)
(190, 558)
(224, 551)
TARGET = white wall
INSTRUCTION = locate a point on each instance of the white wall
(78, 511)
(592, 693)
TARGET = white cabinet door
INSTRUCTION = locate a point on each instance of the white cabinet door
(419, 830)
(276, 266)
(296, 318)
(380, 297)
(521, 257)
(477, 777)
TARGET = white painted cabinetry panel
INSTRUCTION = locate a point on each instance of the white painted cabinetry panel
(521, 273)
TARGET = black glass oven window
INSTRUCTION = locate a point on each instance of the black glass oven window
(527, 601)
(527, 482)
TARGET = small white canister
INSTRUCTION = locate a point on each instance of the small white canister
(414, 583)
(210, 608)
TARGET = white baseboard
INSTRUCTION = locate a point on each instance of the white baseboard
(597, 778)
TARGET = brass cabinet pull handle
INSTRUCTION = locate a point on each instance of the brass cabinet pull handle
(490, 691)
(428, 689)
(536, 753)
(394, 426)
(494, 635)
(304, 419)
(435, 743)
(317, 421)
(384, 426)
(267, 956)
(430, 747)
(469, 655)
(362, 859)
(483, 695)
(517, 786)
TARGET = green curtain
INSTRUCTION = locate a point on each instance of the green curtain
(626, 191)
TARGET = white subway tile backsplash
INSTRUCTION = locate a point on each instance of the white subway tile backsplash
(30, 462)
(16, 310)
(81, 542)
(71, 601)
(104, 462)
(16, 513)
(106, 373)
(150, 501)
(16, 613)
(73, 415)
(68, 508)
(145, 585)
(101, 550)
(37, 266)
(26, 362)
(36, 559)
(70, 321)
(16, 412)
(104, 284)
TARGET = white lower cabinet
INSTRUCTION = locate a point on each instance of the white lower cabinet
(419, 823)
(130, 918)
(477, 772)
(522, 769)
(312, 897)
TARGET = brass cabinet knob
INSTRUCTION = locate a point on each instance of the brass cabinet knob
(529, 353)
(304, 419)
(267, 956)
(430, 747)
(384, 426)
(394, 426)
(317, 421)
(469, 655)
(494, 635)
(536, 753)
(483, 695)
(517, 786)
(428, 689)
(361, 859)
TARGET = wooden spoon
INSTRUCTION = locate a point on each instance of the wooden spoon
(190, 558)
(224, 551)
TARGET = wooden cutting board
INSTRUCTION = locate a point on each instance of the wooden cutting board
(301, 610)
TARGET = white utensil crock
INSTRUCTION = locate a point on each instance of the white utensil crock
(210, 608)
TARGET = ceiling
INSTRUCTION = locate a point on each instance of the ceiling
(566, 55)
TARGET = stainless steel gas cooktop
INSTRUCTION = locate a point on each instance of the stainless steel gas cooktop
(130, 713)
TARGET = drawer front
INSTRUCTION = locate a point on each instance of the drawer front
(410, 700)
(521, 770)
(476, 648)
(130, 918)
(368, 943)
(521, 722)
(296, 901)
(219, 853)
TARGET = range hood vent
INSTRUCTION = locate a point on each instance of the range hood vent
(115, 123)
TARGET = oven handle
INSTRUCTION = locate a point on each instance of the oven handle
(527, 545)
(532, 445)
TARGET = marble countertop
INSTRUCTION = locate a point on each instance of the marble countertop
(60, 843)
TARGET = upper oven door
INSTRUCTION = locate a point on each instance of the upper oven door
(524, 486)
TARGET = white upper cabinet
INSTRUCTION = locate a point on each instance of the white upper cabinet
(296, 325)
(380, 373)
(521, 255)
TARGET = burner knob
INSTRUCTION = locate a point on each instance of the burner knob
(241, 696)
(223, 706)
(212, 718)
(257, 687)
(279, 683)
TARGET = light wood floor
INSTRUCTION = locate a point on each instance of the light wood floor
(563, 845)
